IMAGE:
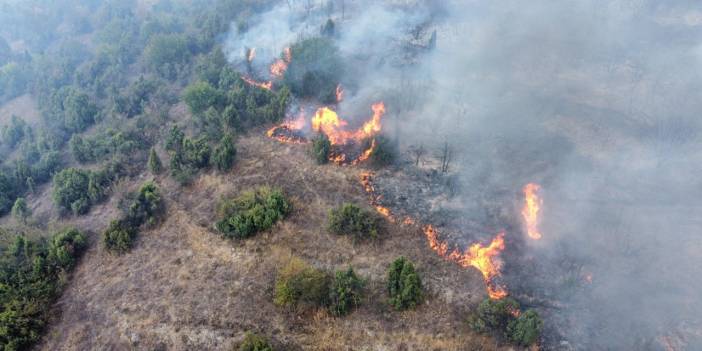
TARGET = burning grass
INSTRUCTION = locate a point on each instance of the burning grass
(348, 145)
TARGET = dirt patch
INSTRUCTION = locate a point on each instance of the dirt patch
(23, 106)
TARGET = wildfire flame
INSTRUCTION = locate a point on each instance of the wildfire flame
(286, 132)
(532, 207)
(263, 85)
(484, 258)
(328, 122)
(279, 66)
(367, 182)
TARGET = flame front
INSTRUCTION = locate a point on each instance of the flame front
(532, 207)
(279, 66)
(483, 258)
(263, 85)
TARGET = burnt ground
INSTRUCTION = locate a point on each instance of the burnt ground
(185, 287)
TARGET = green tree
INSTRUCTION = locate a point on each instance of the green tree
(300, 285)
(20, 210)
(404, 285)
(315, 69)
(79, 111)
(225, 153)
(164, 52)
(252, 212)
(70, 190)
(346, 292)
(525, 329)
(494, 315)
(321, 146)
(253, 342)
(154, 163)
(13, 133)
(384, 153)
(200, 96)
(119, 237)
(349, 219)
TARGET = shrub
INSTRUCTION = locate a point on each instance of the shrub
(31, 273)
(350, 219)
(225, 153)
(200, 96)
(404, 285)
(147, 206)
(65, 246)
(525, 329)
(346, 292)
(321, 146)
(20, 210)
(384, 153)
(70, 190)
(119, 236)
(494, 315)
(254, 342)
(252, 212)
(300, 285)
(13, 133)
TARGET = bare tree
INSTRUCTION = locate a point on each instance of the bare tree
(417, 152)
(446, 155)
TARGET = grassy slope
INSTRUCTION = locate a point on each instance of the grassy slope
(184, 287)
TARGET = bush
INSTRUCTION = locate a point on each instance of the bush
(346, 292)
(13, 133)
(145, 208)
(525, 329)
(224, 154)
(494, 315)
(20, 210)
(252, 212)
(350, 219)
(32, 275)
(300, 285)
(70, 190)
(404, 285)
(384, 153)
(321, 146)
(253, 342)
(119, 236)
(200, 96)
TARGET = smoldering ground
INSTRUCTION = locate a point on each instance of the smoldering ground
(596, 101)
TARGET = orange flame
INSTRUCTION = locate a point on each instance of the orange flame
(367, 182)
(263, 85)
(532, 207)
(328, 122)
(290, 126)
(484, 258)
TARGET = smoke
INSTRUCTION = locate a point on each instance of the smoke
(596, 101)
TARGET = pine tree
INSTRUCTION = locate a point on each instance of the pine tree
(155, 165)
(20, 210)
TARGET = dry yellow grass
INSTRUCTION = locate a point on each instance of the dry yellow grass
(184, 287)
